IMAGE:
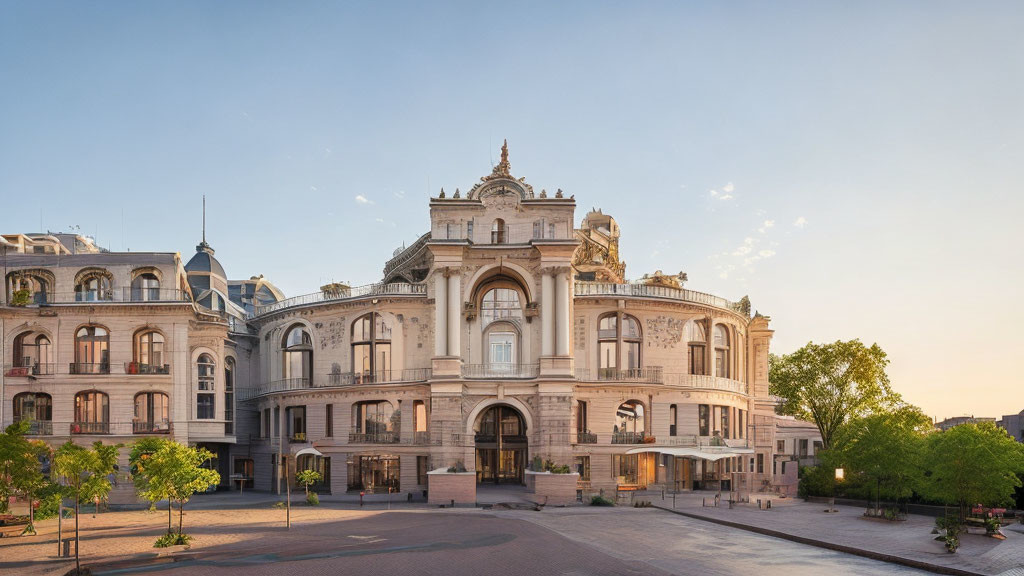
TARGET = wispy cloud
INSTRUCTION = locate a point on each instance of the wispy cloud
(400, 194)
(360, 199)
(800, 222)
(728, 187)
(379, 220)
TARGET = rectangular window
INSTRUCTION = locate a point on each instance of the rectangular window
(581, 417)
(204, 406)
(780, 446)
(265, 430)
(419, 416)
(725, 421)
(803, 448)
(277, 422)
(295, 417)
(696, 360)
(625, 468)
(672, 413)
(742, 424)
(329, 421)
(583, 467)
(760, 463)
(422, 467)
(469, 232)
(551, 231)
(703, 417)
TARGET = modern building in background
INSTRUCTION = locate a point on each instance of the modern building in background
(503, 335)
(1014, 425)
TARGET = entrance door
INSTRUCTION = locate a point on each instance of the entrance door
(501, 446)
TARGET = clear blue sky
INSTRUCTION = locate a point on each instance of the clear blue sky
(890, 132)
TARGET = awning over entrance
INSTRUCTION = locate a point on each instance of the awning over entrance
(310, 450)
(709, 453)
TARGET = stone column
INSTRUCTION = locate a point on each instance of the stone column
(547, 314)
(440, 315)
(454, 311)
(562, 313)
(709, 356)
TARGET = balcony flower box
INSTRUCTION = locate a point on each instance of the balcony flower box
(649, 439)
(17, 371)
(133, 367)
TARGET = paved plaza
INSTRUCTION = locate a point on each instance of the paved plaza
(245, 535)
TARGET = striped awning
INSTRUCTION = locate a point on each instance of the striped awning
(710, 453)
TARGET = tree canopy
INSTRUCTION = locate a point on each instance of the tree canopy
(169, 469)
(830, 384)
(19, 463)
(973, 464)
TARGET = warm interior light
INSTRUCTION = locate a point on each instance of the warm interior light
(839, 473)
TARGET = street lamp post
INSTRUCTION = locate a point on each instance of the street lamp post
(840, 474)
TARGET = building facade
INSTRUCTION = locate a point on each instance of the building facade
(503, 336)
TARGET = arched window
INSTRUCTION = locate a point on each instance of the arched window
(149, 354)
(229, 396)
(36, 407)
(298, 354)
(32, 354)
(92, 413)
(498, 231)
(205, 398)
(618, 343)
(93, 286)
(146, 288)
(37, 285)
(371, 348)
(151, 413)
(376, 421)
(721, 351)
(629, 423)
(697, 338)
(500, 304)
(92, 351)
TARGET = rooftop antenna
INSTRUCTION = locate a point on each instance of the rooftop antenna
(204, 218)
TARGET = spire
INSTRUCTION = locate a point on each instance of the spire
(203, 246)
(503, 169)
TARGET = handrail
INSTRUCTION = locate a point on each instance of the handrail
(334, 380)
(651, 374)
(500, 370)
(651, 291)
(378, 289)
(110, 295)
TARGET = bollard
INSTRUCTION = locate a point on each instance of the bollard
(453, 502)
(361, 494)
(66, 551)
(673, 500)
(769, 505)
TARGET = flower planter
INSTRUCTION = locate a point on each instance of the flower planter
(552, 489)
(444, 487)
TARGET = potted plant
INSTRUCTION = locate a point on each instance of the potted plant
(21, 298)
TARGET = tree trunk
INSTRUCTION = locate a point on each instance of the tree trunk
(78, 566)
(181, 514)
(878, 493)
(169, 516)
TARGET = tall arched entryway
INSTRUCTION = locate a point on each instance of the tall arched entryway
(501, 445)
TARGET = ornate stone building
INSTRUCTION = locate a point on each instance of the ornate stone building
(502, 336)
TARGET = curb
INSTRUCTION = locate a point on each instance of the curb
(890, 558)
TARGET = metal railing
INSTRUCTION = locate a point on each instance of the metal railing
(140, 368)
(90, 428)
(337, 379)
(89, 368)
(650, 374)
(378, 377)
(37, 369)
(421, 438)
(151, 427)
(500, 370)
(40, 428)
(373, 438)
(297, 437)
(586, 437)
(650, 291)
(628, 438)
(117, 295)
(702, 382)
(345, 293)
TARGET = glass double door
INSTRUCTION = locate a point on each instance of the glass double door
(500, 466)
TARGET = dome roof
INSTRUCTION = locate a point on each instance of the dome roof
(204, 261)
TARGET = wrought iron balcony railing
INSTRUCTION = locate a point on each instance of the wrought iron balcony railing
(586, 437)
(650, 374)
(151, 427)
(110, 295)
(702, 382)
(664, 292)
(90, 427)
(140, 368)
(629, 438)
(89, 368)
(40, 428)
(373, 438)
(37, 369)
(345, 293)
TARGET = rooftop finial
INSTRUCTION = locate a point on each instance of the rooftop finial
(204, 218)
(503, 169)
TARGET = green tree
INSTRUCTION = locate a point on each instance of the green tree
(307, 478)
(149, 487)
(829, 384)
(84, 471)
(19, 467)
(973, 464)
(886, 449)
(176, 471)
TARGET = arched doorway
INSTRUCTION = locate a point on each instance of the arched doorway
(501, 445)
